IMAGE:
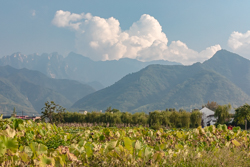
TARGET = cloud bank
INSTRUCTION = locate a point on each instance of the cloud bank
(240, 43)
(103, 39)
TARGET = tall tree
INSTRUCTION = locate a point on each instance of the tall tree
(126, 118)
(222, 113)
(185, 119)
(212, 105)
(242, 114)
(165, 118)
(175, 119)
(155, 118)
(195, 118)
(52, 112)
(108, 109)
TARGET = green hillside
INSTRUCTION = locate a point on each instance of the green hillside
(72, 90)
(10, 97)
(28, 91)
(233, 67)
(160, 87)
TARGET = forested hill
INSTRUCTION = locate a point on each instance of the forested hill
(160, 87)
(224, 78)
(28, 90)
(232, 66)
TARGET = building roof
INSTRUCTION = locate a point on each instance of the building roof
(206, 112)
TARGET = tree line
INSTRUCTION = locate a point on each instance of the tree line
(171, 118)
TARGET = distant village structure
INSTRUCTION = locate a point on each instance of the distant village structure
(25, 117)
(83, 112)
(208, 117)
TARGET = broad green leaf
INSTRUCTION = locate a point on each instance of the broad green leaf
(2, 149)
(128, 144)
(212, 128)
(219, 127)
(137, 145)
(150, 133)
(16, 123)
(141, 153)
(106, 132)
(102, 138)
(10, 143)
(28, 151)
(38, 148)
(236, 129)
(117, 134)
(42, 149)
(11, 132)
(81, 143)
(148, 151)
(117, 150)
(88, 149)
(25, 158)
(236, 143)
(59, 161)
(21, 127)
(158, 155)
(112, 145)
(46, 161)
(179, 146)
(179, 135)
(42, 132)
(163, 146)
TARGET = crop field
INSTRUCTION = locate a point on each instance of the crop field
(26, 143)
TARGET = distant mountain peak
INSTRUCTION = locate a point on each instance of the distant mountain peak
(224, 54)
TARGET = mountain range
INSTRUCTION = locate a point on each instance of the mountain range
(144, 86)
(224, 78)
(28, 90)
(97, 74)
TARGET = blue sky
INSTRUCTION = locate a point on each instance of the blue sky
(184, 31)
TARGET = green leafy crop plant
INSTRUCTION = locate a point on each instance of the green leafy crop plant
(25, 143)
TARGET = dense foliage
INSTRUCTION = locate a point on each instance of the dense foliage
(222, 113)
(113, 117)
(242, 113)
(25, 143)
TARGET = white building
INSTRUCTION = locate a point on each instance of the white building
(208, 117)
(83, 112)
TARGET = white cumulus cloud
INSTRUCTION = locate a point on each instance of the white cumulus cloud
(240, 43)
(66, 19)
(102, 39)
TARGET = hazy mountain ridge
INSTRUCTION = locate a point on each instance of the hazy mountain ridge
(224, 78)
(77, 67)
(160, 87)
(28, 90)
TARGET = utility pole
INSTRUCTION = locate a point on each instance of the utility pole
(22, 114)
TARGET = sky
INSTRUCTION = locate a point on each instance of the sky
(182, 31)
